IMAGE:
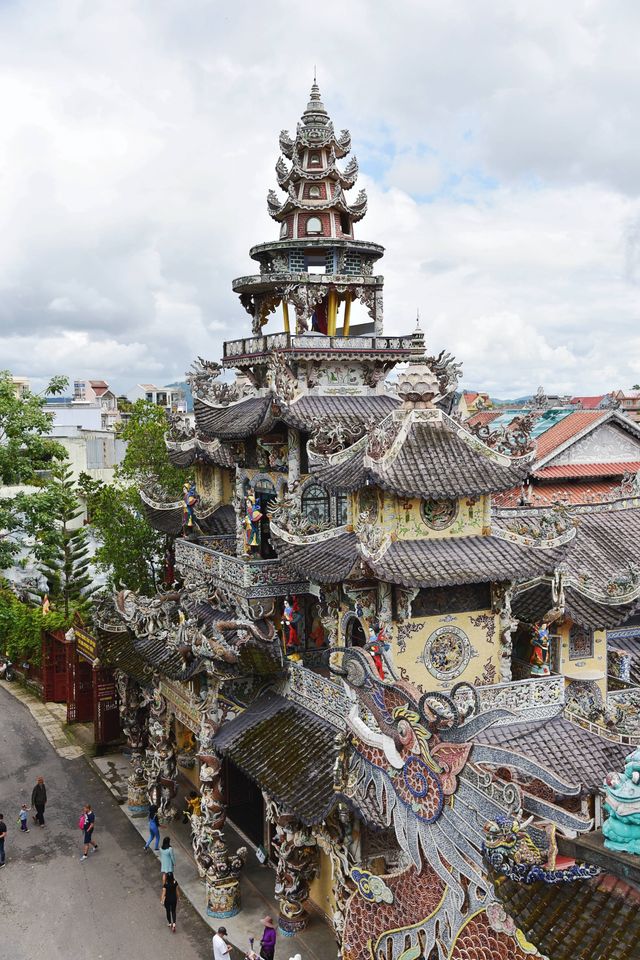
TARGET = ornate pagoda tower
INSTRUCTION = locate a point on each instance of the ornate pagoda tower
(317, 269)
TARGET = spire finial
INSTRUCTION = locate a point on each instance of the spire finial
(314, 73)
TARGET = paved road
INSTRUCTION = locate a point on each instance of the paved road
(52, 906)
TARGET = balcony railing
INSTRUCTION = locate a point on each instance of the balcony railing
(252, 578)
(251, 346)
(537, 698)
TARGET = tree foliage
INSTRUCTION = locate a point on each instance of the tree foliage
(61, 547)
(21, 626)
(25, 447)
(131, 552)
(145, 462)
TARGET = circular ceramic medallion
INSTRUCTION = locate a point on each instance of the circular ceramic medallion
(446, 652)
(438, 514)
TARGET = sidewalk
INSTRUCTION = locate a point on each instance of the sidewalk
(257, 881)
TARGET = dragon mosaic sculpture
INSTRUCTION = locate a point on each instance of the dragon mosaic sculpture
(412, 764)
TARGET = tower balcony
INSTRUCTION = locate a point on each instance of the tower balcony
(306, 346)
(249, 577)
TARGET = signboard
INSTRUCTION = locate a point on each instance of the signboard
(85, 645)
(181, 704)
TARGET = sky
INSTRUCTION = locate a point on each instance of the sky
(498, 141)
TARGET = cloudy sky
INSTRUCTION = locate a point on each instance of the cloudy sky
(498, 140)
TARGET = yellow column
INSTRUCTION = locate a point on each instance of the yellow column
(347, 316)
(285, 316)
(332, 312)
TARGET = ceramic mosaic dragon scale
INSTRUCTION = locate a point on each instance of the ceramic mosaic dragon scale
(412, 765)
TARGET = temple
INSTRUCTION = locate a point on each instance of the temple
(405, 694)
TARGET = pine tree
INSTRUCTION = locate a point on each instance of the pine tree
(61, 547)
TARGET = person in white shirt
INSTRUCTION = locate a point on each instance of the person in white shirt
(221, 948)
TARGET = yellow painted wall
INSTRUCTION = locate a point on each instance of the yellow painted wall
(321, 889)
(483, 665)
(402, 518)
(583, 666)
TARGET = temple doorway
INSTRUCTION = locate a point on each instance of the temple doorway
(245, 803)
(354, 634)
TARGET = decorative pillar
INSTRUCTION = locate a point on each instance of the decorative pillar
(346, 323)
(219, 869)
(501, 597)
(293, 478)
(285, 316)
(217, 485)
(297, 853)
(332, 312)
(379, 313)
(133, 704)
(337, 838)
(161, 766)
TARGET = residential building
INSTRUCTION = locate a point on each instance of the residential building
(172, 399)
(629, 401)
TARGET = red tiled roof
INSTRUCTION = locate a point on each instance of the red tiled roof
(567, 428)
(593, 492)
(589, 403)
(568, 470)
(483, 417)
(471, 394)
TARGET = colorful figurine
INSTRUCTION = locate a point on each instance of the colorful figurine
(189, 498)
(539, 658)
(291, 616)
(621, 829)
(377, 643)
(252, 517)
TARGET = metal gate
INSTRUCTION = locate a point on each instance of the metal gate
(79, 688)
(55, 665)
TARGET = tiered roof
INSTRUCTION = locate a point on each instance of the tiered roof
(316, 140)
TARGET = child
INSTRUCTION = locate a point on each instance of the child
(23, 818)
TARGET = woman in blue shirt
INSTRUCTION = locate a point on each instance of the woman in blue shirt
(167, 857)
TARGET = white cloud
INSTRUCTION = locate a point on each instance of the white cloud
(138, 140)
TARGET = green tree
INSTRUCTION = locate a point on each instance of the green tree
(146, 463)
(131, 552)
(61, 548)
(25, 447)
(26, 452)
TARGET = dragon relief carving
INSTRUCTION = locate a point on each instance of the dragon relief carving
(446, 369)
(332, 436)
(513, 440)
(180, 429)
(288, 516)
(283, 381)
(203, 380)
(404, 772)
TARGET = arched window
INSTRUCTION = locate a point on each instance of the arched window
(345, 223)
(314, 225)
(315, 504)
(283, 229)
(314, 159)
(314, 192)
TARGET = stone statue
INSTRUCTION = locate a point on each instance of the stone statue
(189, 498)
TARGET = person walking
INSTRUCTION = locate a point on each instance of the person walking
(154, 827)
(167, 857)
(3, 833)
(221, 946)
(23, 818)
(169, 899)
(88, 827)
(38, 800)
(268, 939)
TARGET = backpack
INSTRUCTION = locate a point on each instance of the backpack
(81, 821)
